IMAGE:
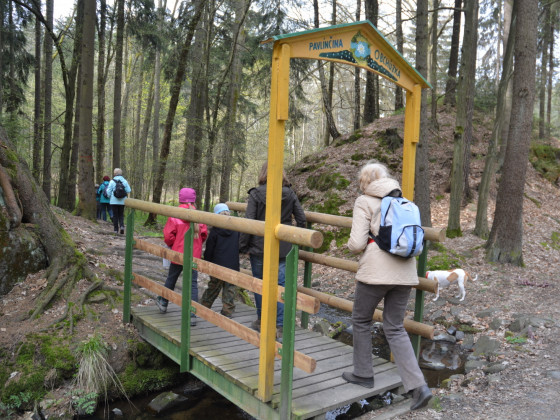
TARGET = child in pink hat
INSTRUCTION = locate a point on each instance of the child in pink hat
(174, 236)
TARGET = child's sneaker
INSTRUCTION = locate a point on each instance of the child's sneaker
(161, 305)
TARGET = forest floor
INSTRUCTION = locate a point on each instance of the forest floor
(526, 388)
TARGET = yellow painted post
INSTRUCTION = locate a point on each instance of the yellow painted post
(280, 75)
(411, 138)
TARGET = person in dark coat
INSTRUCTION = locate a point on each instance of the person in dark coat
(254, 245)
(222, 248)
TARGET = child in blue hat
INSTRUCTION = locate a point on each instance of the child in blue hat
(222, 248)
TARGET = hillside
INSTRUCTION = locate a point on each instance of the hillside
(503, 293)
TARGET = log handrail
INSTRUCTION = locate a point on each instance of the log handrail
(292, 234)
(305, 303)
(430, 233)
(424, 284)
(413, 327)
(301, 361)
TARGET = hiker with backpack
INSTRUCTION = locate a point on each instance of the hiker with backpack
(104, 199)
(118, 189)
(382, 274)
(254, 245)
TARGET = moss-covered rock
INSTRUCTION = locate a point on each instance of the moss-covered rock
(331, 204)
(327, 181)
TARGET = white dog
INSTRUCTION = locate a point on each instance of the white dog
(445, 278)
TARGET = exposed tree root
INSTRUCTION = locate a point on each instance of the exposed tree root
(60, 280)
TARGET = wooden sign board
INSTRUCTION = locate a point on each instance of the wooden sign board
(358, 44)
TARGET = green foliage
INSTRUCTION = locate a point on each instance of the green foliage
(58, 356)
(342, 236)
(330, 206)
(17, 401)
(328, 236)
(446, 260)
(454, 233)
(546, 160)
(436, 404)
(84, 402)
(391, 139)
(355, 136)
(137, 381)
(327, 181)
(516, 340)
(358, 156)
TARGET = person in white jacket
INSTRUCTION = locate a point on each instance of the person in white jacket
(381, 275)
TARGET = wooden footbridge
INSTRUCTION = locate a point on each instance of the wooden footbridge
(252, 369)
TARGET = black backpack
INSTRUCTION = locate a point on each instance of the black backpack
(105, 191)
(119, 191)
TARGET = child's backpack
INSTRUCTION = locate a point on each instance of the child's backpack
(400, 230)
(105, 191)
(119, 191)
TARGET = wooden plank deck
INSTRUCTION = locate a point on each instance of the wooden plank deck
(238, 362)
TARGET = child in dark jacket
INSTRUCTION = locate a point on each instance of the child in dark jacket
(222, 248)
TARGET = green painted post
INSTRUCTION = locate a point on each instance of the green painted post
(186, 301)
(128, 266)
(288, 336)
(419, 303)
(306, 283)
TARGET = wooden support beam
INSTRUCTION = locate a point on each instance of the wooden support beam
(292, 234)
(301, 361)
(424, 284)
(305, 303)
(430, 233)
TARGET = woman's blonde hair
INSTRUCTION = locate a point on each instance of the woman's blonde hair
(372, 171)
(117, 171)
(263, 174)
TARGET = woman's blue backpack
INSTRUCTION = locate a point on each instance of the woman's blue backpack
(400, 230)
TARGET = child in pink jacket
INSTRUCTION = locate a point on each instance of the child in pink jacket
(174, 236)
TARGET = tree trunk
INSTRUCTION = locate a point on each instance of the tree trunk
(141, 161)
(194, 138)
(87, 204)
(481, 226)
(433, 63)
(100, 155)
(233, 137)
(125, 104)
(550, 72)
(544, 73)
(37, 106)
(175, 91)
(371, 103)
(73, 171)
(66, 184)
(422, 173)
(138, 123)
(67, 265)
(118, 85)
(464, 113)
(451, 84)
(47, 114)
(505, 244)
(331, 125)
(399, 101)
(504, 129)
(470, 81)
(2, 37)
(357, 90)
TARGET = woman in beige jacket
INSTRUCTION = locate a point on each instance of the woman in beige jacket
(381, 275)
